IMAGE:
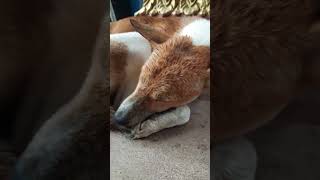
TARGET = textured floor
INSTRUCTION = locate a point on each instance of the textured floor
(180, 153)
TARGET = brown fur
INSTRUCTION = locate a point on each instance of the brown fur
(118, 61)
(118, 53)
(121, 26)
(169, 78)
(258, 60)
(167, 25)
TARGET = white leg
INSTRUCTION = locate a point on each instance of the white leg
(176, 117)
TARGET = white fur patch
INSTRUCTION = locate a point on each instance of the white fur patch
(198, 31)
(136, 43)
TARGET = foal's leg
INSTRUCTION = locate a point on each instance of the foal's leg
(175, 117)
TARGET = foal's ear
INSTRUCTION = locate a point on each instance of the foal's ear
(153, 35)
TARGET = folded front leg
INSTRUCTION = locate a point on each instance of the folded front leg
(156, 123)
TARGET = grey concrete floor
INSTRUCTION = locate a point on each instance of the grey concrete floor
(179, 153)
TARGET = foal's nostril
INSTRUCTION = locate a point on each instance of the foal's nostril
(120, 118)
